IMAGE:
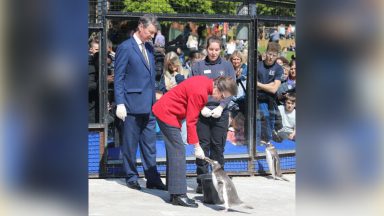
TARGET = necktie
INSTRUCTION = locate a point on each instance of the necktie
(144, 54)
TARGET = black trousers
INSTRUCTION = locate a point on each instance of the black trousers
(212, 134)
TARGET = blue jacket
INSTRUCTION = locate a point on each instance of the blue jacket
(134, 79)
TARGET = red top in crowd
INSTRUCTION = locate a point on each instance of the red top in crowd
(185, 101)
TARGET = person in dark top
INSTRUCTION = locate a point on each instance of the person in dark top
(213, 121)
(93, 83)
(269, 75)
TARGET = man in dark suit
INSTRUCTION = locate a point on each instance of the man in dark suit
(135, 94)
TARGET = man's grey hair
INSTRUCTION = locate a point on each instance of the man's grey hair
(148, 19)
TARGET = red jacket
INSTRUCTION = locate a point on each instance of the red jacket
(186, 100)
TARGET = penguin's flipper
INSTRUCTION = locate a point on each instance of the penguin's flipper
(225, 197)
(220, 189)
(276, 164)
(270, 161)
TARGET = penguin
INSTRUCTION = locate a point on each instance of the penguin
(224, 186)
(273, 161)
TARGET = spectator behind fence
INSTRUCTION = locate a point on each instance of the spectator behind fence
(185, 101)
(213, 121)
(173, 74)
(193, 57)
(285, 87)
(93, 47)
(159, 39)
(292, 74)
(230, 47)
(159, 55)
(93, 83)
(269, 75)
(237, 62)
(237, 105)
(135, 95)
(282, 31)
(281, 60)
(288, 116)
(193, 37)
(274, 36)
(286, 68)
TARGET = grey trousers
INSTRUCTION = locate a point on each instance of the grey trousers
(176, 165)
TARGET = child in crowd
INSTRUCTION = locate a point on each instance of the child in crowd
(288, 116)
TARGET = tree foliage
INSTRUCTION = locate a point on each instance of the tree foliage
(267, 10)
(200, 7)
(192, 6)
(148, 6)
(225, 7)
(180, 6)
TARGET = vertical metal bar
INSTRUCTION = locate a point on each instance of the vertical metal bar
(251, 88)
(103, 84)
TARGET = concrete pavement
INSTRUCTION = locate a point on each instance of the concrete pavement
(110, 197)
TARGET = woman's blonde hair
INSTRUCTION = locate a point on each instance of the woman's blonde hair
(172, 58)
(237, 53)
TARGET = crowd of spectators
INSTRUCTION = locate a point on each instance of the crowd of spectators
(177, 51)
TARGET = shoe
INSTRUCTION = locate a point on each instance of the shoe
(160, 186)
(199, 189)
(133, 185)
(183, 200)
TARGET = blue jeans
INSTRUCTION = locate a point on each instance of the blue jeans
(265, 123)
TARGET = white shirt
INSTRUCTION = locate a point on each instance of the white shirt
(139, 42)
(288, 119)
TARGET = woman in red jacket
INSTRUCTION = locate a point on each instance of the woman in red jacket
(185, 101)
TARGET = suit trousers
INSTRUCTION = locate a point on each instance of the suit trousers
(139, 131)
(212, 137)
(176, 167)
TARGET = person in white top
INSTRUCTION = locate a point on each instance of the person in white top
(288, 116)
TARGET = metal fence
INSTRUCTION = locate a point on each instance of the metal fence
(114, 19)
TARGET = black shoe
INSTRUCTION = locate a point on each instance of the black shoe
(158, 186)
(133, 185)
(183, 200)
(199, 189)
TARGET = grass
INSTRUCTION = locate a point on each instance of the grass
(263, 46)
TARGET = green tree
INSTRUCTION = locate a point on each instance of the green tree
(148, 6)
(200, 7)
(169, 6)
(267, 10)
(192, 6)
(225, 7)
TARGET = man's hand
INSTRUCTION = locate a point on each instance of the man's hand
(206, 112)
(216, 113)
(121, 112)
(199, 153)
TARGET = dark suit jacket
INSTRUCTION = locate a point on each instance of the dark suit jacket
(134, 79)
